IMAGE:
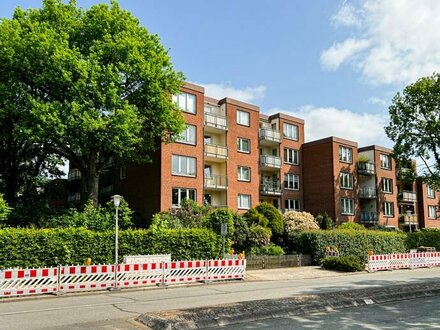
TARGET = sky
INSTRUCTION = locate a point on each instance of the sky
(335, 64)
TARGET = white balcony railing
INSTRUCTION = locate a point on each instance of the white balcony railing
(216, 121)
(270, 135)
(270, 161)
(216, 151)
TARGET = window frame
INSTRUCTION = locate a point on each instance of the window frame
(240, 199)
(240, 114)
(176, 100)
(185, 141)
(294, 202)
(350, 204)
(292, 152)
(430, 192)
(342, 155)
(122, 172)
(240, 172)
(240, 145)
(390, 185)
(432, 207)
(179, 199)
(390, 208)
(286, 130)
(383, 163)
(180, 165)
(295, 179)
(350, 177)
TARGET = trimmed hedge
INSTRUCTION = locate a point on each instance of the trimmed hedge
(344, 263)
(349, 242)
(424, 237)
(48, 247)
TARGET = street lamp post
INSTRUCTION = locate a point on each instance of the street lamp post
(408, 212)
(116, 201)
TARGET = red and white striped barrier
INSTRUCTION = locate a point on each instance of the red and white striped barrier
(226, 269)
(132, 275)
(17, 282)
(403, 260)
(81, 278)
(185, 272)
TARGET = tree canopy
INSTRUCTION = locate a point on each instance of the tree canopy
(415, 127)
(94, 83)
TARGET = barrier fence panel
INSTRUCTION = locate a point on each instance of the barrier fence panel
(16, 282)
(85, 278)
(185, 272)
(403, 260)
(132, 275)
(226, 269)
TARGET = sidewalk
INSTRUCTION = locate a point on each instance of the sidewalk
(292, 273)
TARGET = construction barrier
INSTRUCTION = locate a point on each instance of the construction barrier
(61, 279)
(403, 260)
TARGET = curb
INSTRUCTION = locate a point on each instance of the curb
(258, 310)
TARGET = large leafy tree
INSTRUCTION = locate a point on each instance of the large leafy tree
(415, 127)
(96, 83)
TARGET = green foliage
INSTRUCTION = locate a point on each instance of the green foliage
(349, 242)
(362, 158)
(415, 127)
(190, 215)
(259, 236)
(351, 226)
(425, 237)
(325, 221)
(48, 247)
(298, 221)
(253, 217)
(344, 263)
(164, 220)
(241, 233)
(4, 210)
(273, 215)
(269, 250)
(219, 216)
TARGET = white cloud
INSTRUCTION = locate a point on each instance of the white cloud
(402, 40)
(247, 94)
(321, 122)
(378, 101)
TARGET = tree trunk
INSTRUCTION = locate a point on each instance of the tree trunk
(92, 176)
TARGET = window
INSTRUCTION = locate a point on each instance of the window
(291, 156)
(122, 172)
(244, 173)
(182, 165)
(291, 181)
(432, 212)
(385, 161)
(388, 209)
(243, 145)
(291, 205)
(347, 206)
(186, 102)
(244, 201)
(345, 154)
(208, 171)
(207, 139)
(290, 131)
(188, 135)
(346, 180)
(179, 194)
(243, 118)
(387, 185)
(430, 192)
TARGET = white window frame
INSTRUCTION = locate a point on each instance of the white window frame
(241, 199)
(179, 197)
(387, 187)
(185, 136)
(430, 192)
(292, 205)
(122, 172)
(291, 181)
(183, 101)
(346, 180)
(180, 162)
(347, 206)
(290, 131)
(243, 118)
(388, 209)
(241, 173)
(291, 156)
(432, 212)
(345, 154)
(385, 161)
(240, 145)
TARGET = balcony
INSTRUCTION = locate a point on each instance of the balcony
(272, 188)
(408, 219)
(269, 137)
(367, 192)
(216, 182)
(74, 198)
(366, 168)
(215, 123)
(369, 218)
(215, 153)
(269, 162)
(106, 190)
(74, 174)
(407, 196)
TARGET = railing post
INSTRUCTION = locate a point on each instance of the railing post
(59, 292)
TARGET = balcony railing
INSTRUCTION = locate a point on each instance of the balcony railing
(408, 196)
(271, 135)
(270, 161)
(367, 168)
(74, 198)
(216, 182)
(216, 121)
(106, 190)
(216, 151)
(369, 218)
(271, 188)
(74, 174)
(406, 219)
(367, 192)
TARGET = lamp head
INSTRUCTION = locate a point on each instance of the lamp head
(116, 199)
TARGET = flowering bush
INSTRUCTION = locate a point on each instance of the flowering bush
(298, 221)
(259, 236)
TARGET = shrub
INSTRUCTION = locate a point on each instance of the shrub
(259, 236)
(298, 221)
(4, 210)
(241, 233)
(274, 217)
(324, 221)
(253, 217)
(269, 250)
(219, 216)
(164, 220)
(190, 214)
(345, 263)
(424, 237)
(351, 226)
(48, 247)
(349, 242)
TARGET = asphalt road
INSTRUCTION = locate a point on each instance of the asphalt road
(111, 310)
(408, 314)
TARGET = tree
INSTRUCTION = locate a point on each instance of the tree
(4, 210)
(97, 84)
(273, 215)
(415, 127)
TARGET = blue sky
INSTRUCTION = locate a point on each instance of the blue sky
(337, 64)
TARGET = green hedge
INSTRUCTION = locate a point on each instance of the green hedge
(48, 247)
(349, 242)
(425, 237)
(344, 263)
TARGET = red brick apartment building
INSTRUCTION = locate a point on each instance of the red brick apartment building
(232, 156)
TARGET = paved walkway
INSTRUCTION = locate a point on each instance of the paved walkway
(292, 273)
